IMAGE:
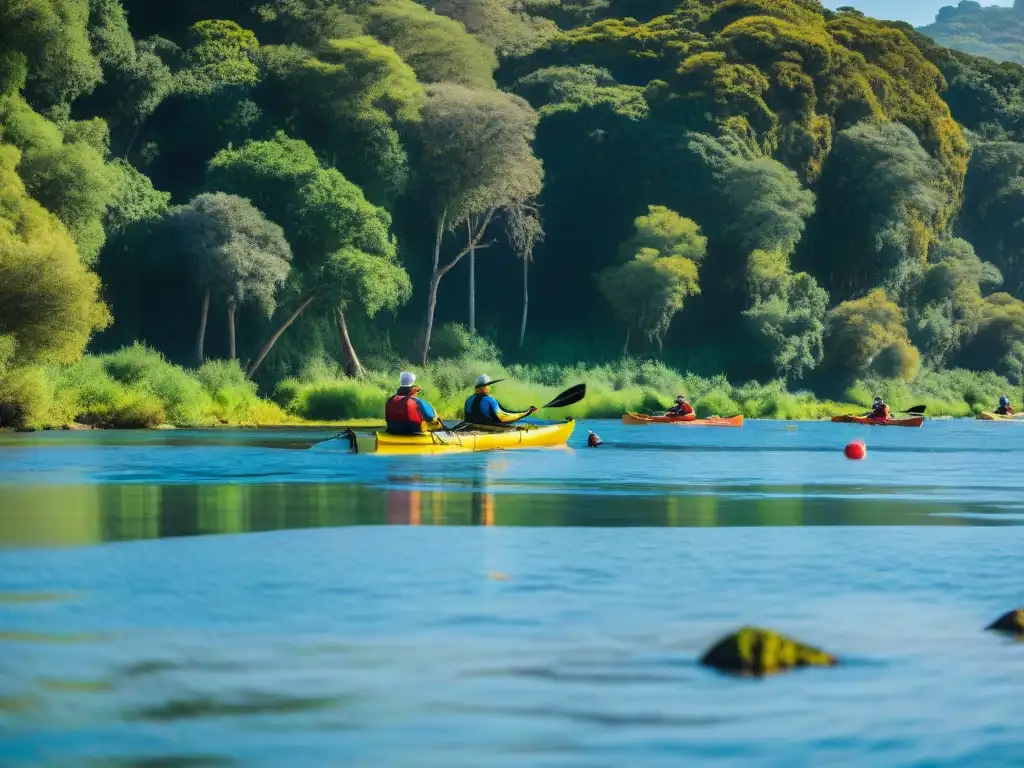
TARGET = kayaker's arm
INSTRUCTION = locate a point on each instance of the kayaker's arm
(507, 417)
(429, 414)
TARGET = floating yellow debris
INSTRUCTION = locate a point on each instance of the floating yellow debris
(498, 576)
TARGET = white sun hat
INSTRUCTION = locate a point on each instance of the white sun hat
(483, 380)
(406, 379)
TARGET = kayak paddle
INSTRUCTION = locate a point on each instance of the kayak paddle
(917, 410)
(571, 396)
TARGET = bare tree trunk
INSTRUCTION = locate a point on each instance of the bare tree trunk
(526, 301)
(304, 302)
(472, 276)
(232, 306)
(435, 279)
(440, 271)
(625, 347)
(201, 336)
(131, 141)
(348, 352)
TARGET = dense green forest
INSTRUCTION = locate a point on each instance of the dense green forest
(996, 32)
(763, 189)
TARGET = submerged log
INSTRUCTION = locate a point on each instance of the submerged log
(757, 652)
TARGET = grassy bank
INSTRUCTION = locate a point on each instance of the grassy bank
(320, 392)
(136, 388)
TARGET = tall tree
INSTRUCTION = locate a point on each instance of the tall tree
(236, 255)
(867, 336)
(524, 231)
(476, 158)
(63, 169)
(658, 273)
(345, 254)
(350, 102)
(49, 301)
(45, 49)
(880, 194)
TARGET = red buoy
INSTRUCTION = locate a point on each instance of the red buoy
(856, 450)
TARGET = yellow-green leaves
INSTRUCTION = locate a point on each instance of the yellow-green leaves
(647, 291)
(49, 302)
(868, 336)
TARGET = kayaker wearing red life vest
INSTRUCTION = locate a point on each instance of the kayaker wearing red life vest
(407, 414)
(879, 411)
(682, 410)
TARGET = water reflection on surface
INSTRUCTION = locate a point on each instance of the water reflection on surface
(541, 608)
(82, 515)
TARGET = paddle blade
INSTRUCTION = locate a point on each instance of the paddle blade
(917, 409)
(571, 396)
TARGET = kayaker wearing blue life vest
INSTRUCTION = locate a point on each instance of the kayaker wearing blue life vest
(482, 408)
(407, 414)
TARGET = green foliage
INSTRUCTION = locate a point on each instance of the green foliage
(786, 316)
(45, 48)
(344, 249)
(866, 336)
(350, 102)
(233, 250)
(134, 199)
(437, 48)
(476, 152)
(49, 303)
(990, 218)
(70, 179)
(647, 292)
(891, 195)
(219, 54)
(571, 89)
(504, 25)
(454, 341)
(234, 399)
(667, 234)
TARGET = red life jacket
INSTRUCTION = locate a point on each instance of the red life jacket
(881, 414)
(402, 409)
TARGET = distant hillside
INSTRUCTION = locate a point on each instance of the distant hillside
(994, 31)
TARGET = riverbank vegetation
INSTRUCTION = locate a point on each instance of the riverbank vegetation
(295, 198)
(137, 388)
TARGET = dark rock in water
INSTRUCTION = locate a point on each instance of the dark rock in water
(1011, 623)
(757, 652)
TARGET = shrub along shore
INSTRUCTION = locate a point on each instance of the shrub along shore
(137, 388)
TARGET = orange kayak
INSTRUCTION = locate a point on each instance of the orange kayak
(910, 421)
(711, 421)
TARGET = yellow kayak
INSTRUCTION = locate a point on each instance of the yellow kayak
(992, 416)
(480, 439)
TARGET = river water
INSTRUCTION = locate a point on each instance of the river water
(533, 608)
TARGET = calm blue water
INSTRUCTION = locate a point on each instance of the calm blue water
(537, 608)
